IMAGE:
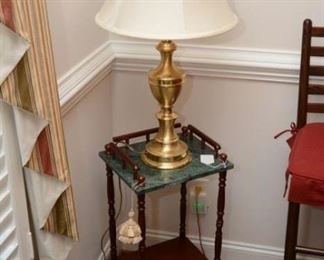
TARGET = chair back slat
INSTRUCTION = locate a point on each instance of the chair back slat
(315, 108)
(316, 89)
(317, 51)
(307, 70)
(316, 70)
(318, 32)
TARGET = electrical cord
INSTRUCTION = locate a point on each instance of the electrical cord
(128, 146)
(198, 224)
(101, 243)
(116, 218)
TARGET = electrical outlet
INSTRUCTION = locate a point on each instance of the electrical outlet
(198, 200)
(200, 181)
(199, 207)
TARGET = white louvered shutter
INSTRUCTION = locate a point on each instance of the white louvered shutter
(15, 237)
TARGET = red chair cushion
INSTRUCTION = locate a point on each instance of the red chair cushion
(306, 165)
(306, 191)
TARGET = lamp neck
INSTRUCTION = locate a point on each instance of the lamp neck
(166, 49)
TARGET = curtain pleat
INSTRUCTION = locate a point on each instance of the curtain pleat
(33, 87)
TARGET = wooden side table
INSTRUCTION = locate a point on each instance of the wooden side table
(126, 163)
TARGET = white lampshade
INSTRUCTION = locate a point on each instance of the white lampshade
(166, 19)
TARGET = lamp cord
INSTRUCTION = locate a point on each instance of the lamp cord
(198, 225)
(128, 146)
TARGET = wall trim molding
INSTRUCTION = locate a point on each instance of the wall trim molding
(197, 60)
(213, 61)
(84, 76)
(231, 250)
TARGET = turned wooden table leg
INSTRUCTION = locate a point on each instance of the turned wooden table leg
(111, 212)
(141, 222)
(183, 209)
(220, 215)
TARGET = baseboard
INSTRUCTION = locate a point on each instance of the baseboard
(231, 250)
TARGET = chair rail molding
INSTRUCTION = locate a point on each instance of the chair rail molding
(197, 60)
(213, 61)
(84, 76)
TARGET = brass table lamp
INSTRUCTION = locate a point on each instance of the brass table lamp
(166, 20)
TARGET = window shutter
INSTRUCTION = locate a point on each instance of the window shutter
(15, 237)
(8, 237)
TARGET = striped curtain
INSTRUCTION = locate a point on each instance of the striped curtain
(33, 87)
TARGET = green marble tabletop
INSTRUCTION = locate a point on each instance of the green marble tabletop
(158, 179)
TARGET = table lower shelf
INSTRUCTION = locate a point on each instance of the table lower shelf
(175, 249)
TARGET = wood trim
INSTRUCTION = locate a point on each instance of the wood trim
(315, 108)
(309, 251)
(304, 74)
(111, 213)
(183, 210)
(318, 32)
(316, 70)
(316, 89)
(317, 51)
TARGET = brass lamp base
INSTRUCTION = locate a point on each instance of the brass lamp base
(166, 163)
(166, 150)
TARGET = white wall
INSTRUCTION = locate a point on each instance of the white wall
(243, 115)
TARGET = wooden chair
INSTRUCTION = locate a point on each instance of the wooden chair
(306, 88)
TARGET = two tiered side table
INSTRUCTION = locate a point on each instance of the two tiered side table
(125, 162)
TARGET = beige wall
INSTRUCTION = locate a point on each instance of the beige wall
(74, 32)
(89, 125)
(266, 24)
(87, 128)
(242, 115)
